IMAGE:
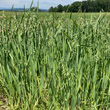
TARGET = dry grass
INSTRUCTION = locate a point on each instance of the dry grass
(3, 103)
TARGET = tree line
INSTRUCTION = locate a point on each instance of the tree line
(84, 6)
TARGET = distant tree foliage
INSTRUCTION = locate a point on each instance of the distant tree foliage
(84, 6)
(34, 9)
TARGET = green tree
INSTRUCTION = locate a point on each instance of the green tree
(51, 9)
(60, 8)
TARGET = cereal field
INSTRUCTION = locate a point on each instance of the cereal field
(55, 61)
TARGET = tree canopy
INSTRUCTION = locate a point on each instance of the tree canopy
(84, 6)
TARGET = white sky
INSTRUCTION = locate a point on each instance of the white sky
(43, 4)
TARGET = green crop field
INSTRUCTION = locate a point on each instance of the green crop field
(54, 61)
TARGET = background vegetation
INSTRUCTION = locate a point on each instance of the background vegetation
(84, 6)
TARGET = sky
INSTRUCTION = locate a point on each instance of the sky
(43, 4)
